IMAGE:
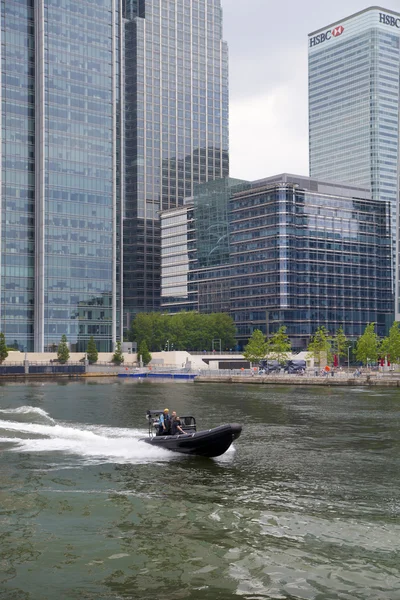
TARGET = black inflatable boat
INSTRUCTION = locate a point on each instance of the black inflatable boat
(210, 442)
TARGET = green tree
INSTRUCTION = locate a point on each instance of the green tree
(62, 350)
(256, 348)
(144, 353)
(92, 354)
(223, 328)
(320, 345)
(390, 345)
(184, 330)
(279, 345)
(367, 348)
(117, 357)
(340, 343)
(3, 348)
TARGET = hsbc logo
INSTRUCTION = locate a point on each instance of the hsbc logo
(337, 31)
(322, 37)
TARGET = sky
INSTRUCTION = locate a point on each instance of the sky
(267, 42)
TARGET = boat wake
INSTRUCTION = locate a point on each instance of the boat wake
(30, 429)
(27, 414)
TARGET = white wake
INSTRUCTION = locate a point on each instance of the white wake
(93, 444)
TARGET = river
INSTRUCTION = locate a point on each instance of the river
(305, 505)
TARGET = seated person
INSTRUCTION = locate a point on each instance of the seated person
(176, 428)
(164, 424)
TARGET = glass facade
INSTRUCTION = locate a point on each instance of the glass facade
(176, 126)
(305, 254)
(195, 237)
(354, 86)
(301, 254)
(61, 183)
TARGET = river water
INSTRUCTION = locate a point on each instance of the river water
(304, 506)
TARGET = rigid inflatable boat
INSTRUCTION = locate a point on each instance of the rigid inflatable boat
(209, 442)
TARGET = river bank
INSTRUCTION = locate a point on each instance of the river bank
(369, 380)
(374, 379)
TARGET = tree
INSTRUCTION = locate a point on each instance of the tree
(144, 353)
(391, 345)
(340, 343)
(256, 348)
(320, 344)
(3, 348)
(91, 351)
(117, 357)
(62, 350)
(279, 345)
(184, 330)
(223, 328)
(367, 348)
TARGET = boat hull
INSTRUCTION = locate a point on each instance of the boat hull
(210, 442)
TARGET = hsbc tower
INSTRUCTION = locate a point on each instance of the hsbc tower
(354, 72)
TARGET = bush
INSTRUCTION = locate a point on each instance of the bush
(62, 350)
(3, 348)
(92, 354)
(118, 357)
(144, 353)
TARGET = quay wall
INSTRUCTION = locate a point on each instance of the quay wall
(342, 381)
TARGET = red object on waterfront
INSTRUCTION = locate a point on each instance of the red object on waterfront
(335, 361)
(382, 362)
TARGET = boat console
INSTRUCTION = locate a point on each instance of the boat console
(188, 422)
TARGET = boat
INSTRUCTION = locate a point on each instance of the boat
(209, 442)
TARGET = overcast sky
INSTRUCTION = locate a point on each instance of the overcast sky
(268, 79)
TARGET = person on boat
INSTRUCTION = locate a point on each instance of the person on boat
(175, 424)
(164, 423)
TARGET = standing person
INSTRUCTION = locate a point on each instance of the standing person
(164, 423)
(175, 424)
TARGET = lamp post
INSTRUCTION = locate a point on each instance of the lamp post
(167, 345)
(216, 342)
(267, 332)
(348, 358)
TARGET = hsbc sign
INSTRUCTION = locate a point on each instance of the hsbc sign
(322, 37)
(389, 20)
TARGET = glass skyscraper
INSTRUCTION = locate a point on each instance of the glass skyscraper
(176, 126)
(354, 71)
(60, 179)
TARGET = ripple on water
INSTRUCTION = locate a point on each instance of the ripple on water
(304, 507)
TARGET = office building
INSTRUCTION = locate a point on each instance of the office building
(60, 203)
(302, 253)
(354, 71)
(110, 112)
(176, 126)
(196, 236)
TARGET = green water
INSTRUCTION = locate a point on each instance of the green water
(305, 506)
